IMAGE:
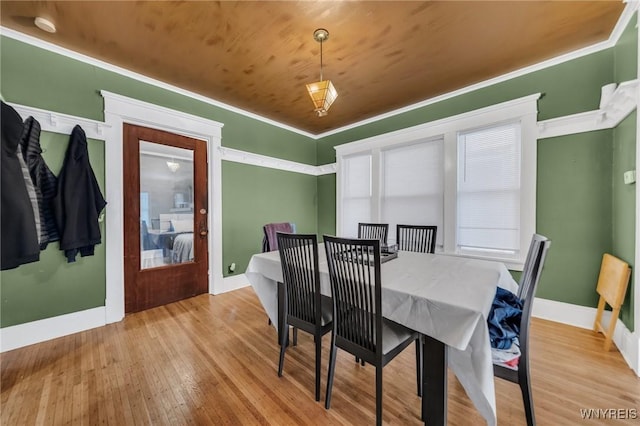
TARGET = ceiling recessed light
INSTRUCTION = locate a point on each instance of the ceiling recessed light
(45, 25)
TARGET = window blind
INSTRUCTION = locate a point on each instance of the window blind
(488, 196)
(412, 190)
(356, 193)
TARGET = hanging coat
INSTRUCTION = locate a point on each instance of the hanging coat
(19, 238)
(78, 203)
(44, 181)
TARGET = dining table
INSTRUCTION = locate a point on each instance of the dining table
(447, 298)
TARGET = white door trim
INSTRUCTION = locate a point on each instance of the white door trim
(117, 111)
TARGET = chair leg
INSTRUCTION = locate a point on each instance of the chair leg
(527, 399)
(295, 336)
(318, 341)
(379, 395)
(332, 368)
(283, 347)
(419, 365)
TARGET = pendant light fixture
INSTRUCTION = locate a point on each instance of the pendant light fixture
(322, 92)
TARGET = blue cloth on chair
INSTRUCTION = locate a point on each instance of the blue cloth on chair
(504, 319)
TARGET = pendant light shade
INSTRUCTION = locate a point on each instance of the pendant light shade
(322, 92)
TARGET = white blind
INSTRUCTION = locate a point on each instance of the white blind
(356, 193)
(489, 190)
(412, 190)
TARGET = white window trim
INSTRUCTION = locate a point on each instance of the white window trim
(523, 109)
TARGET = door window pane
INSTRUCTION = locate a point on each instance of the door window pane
(166, 205)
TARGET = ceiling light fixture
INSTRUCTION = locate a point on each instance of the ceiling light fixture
(173, 165)
(45, 25)
(322, 92)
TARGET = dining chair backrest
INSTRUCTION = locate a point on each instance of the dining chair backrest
(373, 231)
(418, 238)
(354, 272)
(270, 240)
(529, 279)
(533, 266)
(300, 274)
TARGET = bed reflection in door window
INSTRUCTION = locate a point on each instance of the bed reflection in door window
(166, 205)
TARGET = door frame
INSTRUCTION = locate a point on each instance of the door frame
(118, 110)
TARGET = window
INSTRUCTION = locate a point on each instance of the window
(356, 193)
(473, 175)
(413, 186)
(488, 195)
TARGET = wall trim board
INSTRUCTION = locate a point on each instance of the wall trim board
(52, 121)
(237, 156)
(119, 110)
(232, 282)
(621, 103)
(56, 122)
(29, 333)
(583, 317)
(625, 17)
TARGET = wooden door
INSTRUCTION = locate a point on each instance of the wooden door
(165, 217)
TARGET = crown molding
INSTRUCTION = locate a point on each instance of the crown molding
(621, 103)
(625, 17)
(25, 38)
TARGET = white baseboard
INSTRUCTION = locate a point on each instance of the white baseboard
(581, 316)
(42, 330)
(231, 283)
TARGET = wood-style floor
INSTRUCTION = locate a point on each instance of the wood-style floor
(212, 360)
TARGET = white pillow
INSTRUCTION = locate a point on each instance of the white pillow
(182, 225)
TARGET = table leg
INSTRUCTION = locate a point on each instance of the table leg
(434, 382)
(280, 310)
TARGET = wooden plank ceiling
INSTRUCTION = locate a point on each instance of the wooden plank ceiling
(258, 56)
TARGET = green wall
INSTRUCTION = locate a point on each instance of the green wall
(253, 196)
(42, 79)
(52, 286)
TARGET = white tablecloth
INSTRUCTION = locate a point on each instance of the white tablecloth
(445, 297)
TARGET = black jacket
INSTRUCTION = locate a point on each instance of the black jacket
(19, 237)
(79, 201)
(44, 181)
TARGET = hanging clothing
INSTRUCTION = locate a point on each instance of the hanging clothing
(31, 190)
(44, 181)
(19, 238)
(78, 203)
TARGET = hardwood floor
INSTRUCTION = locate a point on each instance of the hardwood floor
(213, 360)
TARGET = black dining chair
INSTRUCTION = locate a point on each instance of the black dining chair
(418, 238)
(526, 291)
(304, 306)
(358, 325)
(373, 231)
